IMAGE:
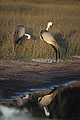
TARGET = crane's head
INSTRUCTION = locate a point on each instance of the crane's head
(25, 96)
(50, 24)
(47, 112)
(27, 36)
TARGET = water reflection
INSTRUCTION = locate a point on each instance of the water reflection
(56, 102)
(7, 113)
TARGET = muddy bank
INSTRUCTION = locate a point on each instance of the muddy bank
(21, 76)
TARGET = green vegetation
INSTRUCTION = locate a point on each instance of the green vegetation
(34, 15)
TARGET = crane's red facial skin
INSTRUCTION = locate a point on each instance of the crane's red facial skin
(26, 36)
(47, 110)
(51, 26)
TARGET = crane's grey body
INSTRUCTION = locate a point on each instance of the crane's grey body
(48, 38)
(19, 32)
(19, 35)
(46, 100)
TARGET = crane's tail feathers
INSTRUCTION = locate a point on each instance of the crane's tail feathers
(55, 44)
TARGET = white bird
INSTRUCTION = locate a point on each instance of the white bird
(19, 34)
(48, 38)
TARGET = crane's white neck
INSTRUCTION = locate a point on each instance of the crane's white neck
(47, 28)
(47, 112)
(27, 36)
(50, 24)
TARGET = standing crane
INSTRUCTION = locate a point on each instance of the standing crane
(19, 34)
(48, 38)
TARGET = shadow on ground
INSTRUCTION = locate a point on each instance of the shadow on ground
(63, 40)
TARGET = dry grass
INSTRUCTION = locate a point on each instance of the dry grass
(35, 15)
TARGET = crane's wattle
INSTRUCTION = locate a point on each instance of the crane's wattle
(51, 26)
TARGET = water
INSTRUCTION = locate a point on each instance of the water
(15, 94)
(32, 111)
(14, 114)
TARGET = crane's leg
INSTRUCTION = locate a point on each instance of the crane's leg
(14, 45)
(55, 51)
(59, 54)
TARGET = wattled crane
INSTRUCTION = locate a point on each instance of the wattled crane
(46, 100)
(19, 34)
(48, 38)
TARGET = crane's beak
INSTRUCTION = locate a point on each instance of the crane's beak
(28, 36)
